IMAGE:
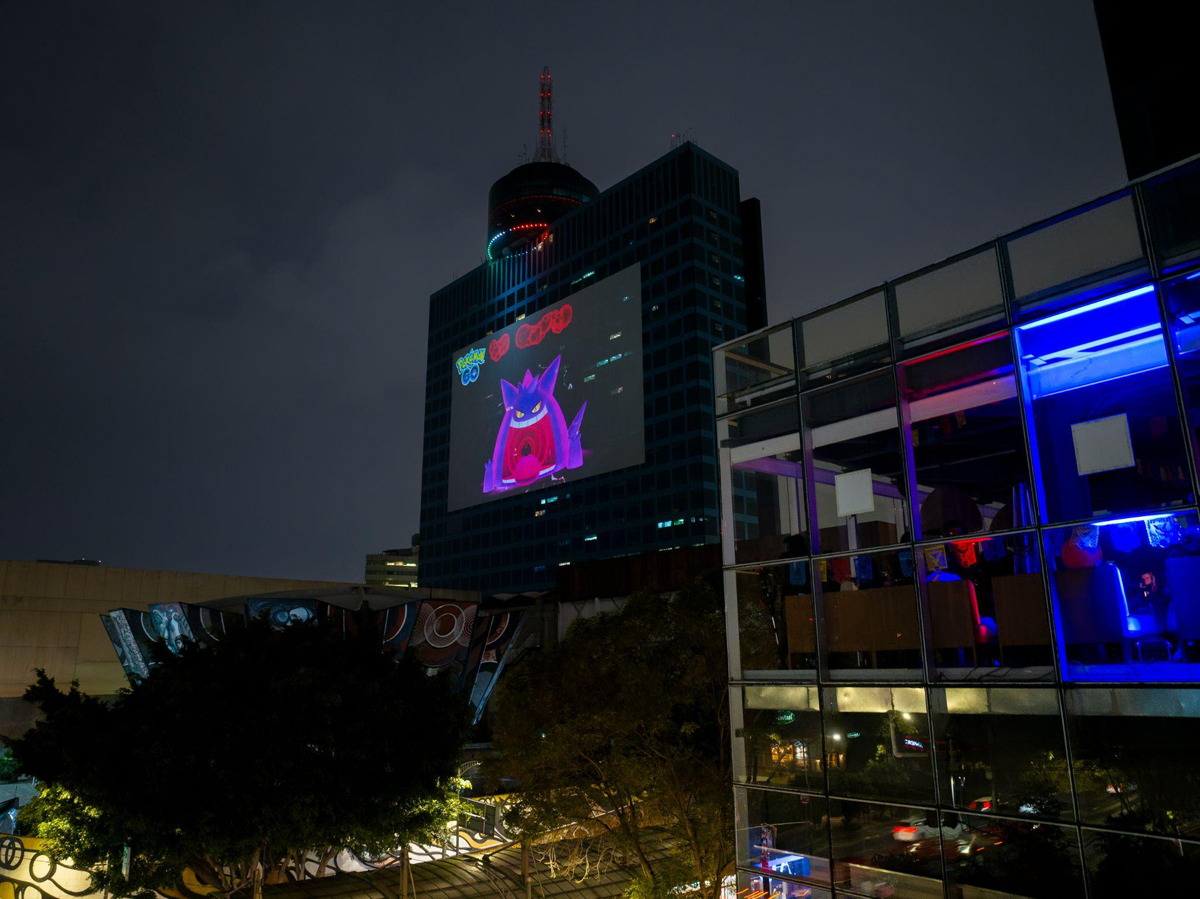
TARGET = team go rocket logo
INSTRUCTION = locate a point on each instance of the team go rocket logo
(468, 365)
(534, 439)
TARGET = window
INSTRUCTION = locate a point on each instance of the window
(997, 857)
(1127, 598)
(1120, 865)
(870, 626)
(1104, 422)
(763, 886)
(968, 288)
(885, 850)
(781, 737)
(877, 743)
(1183, 298)
(987, 608)
(775, 621)
(756, 371)
(971, 469)
(785, 834)
(854, 438)
(847, 338)
(1084, 244)
(1000, 751)
(1135, 758)
(766, 484)
(1171, 212)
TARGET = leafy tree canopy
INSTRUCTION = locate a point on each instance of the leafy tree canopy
(241, 759)
(626, 720)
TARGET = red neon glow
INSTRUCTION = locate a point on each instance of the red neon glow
(904, 830)
(954, 349)
(556, 320)
(498, 347)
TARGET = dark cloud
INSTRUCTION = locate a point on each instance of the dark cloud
(221, 223)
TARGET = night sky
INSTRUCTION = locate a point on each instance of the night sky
(220, 223)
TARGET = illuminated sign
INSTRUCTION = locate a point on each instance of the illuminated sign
(468, 365)
(553, 397)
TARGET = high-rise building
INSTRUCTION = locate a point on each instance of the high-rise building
(568, 410)
(961, 552)
(1152, 75)
(394, 567)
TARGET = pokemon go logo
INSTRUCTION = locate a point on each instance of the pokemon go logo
(468, 365)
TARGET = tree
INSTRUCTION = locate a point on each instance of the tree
(244, 759)
(625, 723)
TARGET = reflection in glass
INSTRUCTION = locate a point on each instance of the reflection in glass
(781, 736)
(1000, 751)
(1104, 419)
(870, 620)
(775, 620)
(885, 850)
(987, 608)
(1135, 758)
(766, 484)
(877, 743)
(1120, 866)
(1127, 596)
(1010, 858)
(785, 835)
(854, 433)
(755, 371)
(762, 886)
(967, 443)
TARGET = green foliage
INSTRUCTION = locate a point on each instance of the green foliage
(628, 716)
(258, 751)
(8, 766)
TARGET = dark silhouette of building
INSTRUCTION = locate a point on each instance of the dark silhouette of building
(1152, 74)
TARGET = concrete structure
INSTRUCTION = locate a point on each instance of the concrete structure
(50, 618)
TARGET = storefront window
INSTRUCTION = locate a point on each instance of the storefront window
(1000, 751)
(1120, 865)
(1134, 753)
(870, 623)
(766, 483)
(1127, 598)
(987, 608)
(885, 850)
(877, 743)
(1104, 421)
(996, 857)
(781, 737)
(972, 473)
(775, 621)
(854, 436)
(785, 834)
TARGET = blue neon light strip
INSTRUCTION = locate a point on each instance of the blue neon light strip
(1157, 516)
(1070, 313)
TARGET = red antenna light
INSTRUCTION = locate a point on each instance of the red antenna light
(545, 152)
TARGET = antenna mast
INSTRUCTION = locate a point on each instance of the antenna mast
(545, 151)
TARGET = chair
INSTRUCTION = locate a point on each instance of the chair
(1020, 611)
(1095, 611)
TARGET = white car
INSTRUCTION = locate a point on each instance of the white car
(924, 827)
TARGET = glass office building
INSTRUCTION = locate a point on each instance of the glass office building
(962, 570)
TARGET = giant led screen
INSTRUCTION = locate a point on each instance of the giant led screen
(551, 399)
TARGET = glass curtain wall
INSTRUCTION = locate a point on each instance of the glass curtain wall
(962, 553)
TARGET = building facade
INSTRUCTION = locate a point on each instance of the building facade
(962, 570)
(675, 227)
(50, 618)
(393, 567)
